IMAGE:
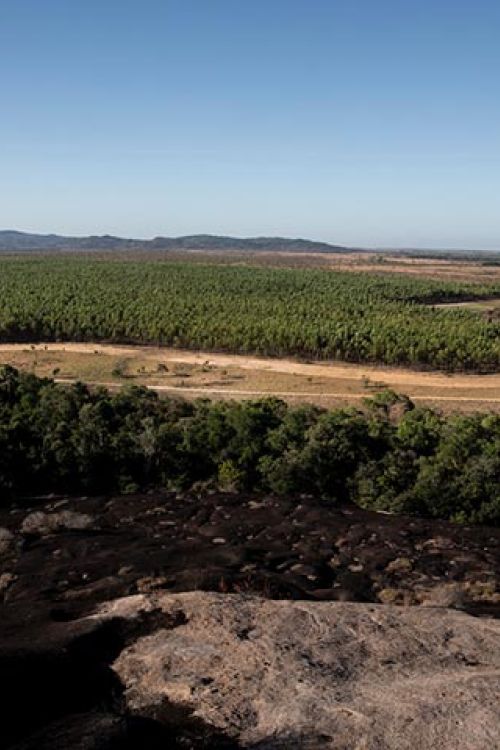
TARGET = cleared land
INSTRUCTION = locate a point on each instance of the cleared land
(195, 374)
(426, 268)
(481, 306)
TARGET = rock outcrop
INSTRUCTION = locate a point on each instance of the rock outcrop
(283, 674)
(73, 553)
(41, 524)
(300, 645)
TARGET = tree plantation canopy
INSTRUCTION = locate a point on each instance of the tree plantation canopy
(356, 317)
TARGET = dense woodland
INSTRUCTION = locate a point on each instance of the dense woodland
(271, 311)
(389, 456)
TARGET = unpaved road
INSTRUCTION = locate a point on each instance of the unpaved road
(208, 390)
(421, 386)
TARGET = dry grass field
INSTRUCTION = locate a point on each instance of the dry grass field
(197, 374)
(432, 268)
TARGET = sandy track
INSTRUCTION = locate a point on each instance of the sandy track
(428, 386)
(208, 390)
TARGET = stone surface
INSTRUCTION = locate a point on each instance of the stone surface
(349, 554)
(253, 673)
(95, 731)
(39, 523)
(6, 540)
(286, 674)
(6, 580)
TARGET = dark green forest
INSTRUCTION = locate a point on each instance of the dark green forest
(388, 456)
(308, 313)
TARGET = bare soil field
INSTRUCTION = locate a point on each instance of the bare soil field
(197, 374)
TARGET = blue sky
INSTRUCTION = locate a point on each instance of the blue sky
(364, 122)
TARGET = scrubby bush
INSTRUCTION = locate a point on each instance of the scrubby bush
(390, 456)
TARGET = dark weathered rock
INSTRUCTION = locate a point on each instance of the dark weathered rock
(89, 731)
(7, 540)
(263, 544)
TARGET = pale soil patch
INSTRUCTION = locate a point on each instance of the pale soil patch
(483, 306)
(444, 270)
(426, 269)
(232, 375)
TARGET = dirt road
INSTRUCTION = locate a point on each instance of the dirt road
(337, 380)
(239, 392)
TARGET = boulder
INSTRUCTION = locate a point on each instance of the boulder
(298, 674)
(39, 523)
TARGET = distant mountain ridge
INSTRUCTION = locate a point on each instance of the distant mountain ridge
(23, 241)
(19, 242)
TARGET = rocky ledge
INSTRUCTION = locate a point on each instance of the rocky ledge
(108, 641)
(232, 670)
(69, 554)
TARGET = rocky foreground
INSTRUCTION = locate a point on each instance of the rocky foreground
(297, 640)
(225, 670)
(290, 674)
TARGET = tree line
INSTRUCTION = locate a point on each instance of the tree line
(390, 456)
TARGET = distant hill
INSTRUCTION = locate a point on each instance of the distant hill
(23, 242)
(19, 242)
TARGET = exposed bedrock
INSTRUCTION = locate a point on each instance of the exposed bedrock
(209, 670)
(300, 645)
(350, 676)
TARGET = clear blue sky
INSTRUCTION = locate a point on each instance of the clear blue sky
(366, 122)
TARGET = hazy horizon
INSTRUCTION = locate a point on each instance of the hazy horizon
(354, 123)
(254, 237)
